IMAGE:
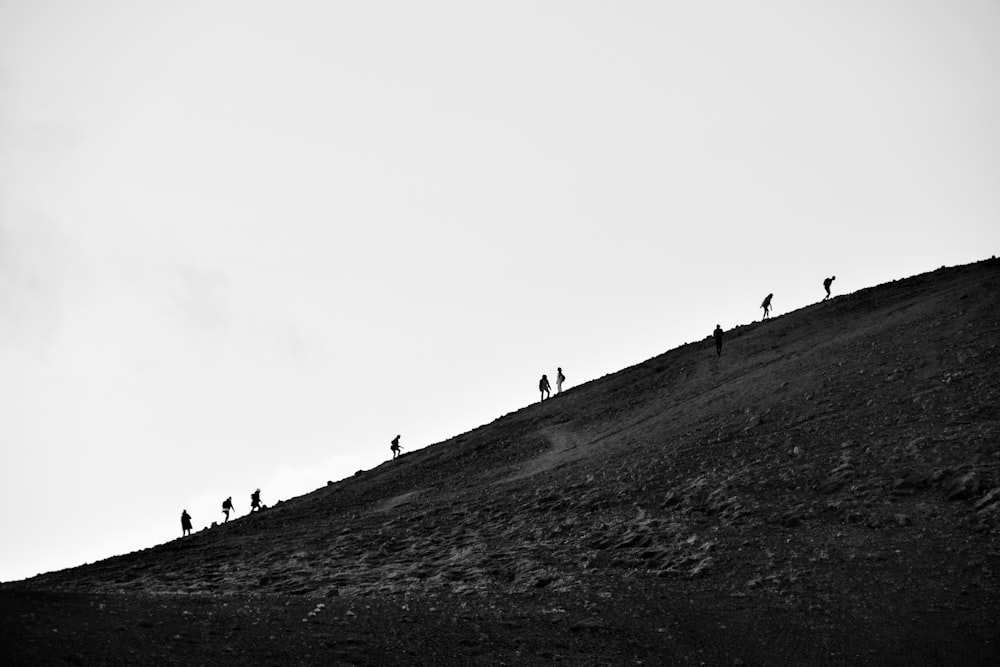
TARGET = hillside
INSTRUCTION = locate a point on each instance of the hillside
(828, 491)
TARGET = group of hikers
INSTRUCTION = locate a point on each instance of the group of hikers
(227, 507)
(543, 386)
(766, 305)
(546, 388)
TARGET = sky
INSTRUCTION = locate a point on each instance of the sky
(244, 244)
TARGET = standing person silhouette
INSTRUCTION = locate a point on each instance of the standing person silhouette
(185, 523)
(766, 305)
(560, 378)
(545, 387)
(718, 340)
(255, 501)
(826, 286)
(227, 507)
(395, 447)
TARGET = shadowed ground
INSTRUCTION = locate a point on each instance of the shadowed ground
(826, 492)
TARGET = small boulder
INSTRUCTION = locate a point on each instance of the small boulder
(962, 487)
(790, 519)
(990, 498)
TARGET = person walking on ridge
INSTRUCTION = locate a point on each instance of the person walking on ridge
(185, 523)
(255, 501)
(395, 447)
(545, 387)
(227, 507)
(718, 340)
(560, 378)
(826, 286)
(766, 305)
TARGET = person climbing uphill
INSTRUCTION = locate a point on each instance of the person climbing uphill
(826, 286)
(227, 507)
(718, 340)
(766, 305)
(395, 447)
(545, 387)
(255, 501)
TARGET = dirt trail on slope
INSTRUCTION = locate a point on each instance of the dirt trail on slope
(567, 447)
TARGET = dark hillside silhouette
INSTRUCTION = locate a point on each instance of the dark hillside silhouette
(827, 494)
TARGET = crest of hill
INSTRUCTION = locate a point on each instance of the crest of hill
(869, 419)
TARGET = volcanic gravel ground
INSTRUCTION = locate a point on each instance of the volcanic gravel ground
(826, 492)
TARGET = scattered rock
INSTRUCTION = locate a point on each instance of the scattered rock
(962, 487)
(940, 475)
(853, 516)
(989, 499)
(640, 540)
(832, 485)
(701, 567)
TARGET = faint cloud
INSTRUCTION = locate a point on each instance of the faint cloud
(200, 299)
(35, 266)
(286, 340)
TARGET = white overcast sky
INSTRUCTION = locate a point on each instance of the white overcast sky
(243, 244)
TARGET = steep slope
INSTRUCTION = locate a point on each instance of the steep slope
(839, 465)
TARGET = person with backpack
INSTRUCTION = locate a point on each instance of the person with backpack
(255, 501)
(826, 286)
(767, 306)
(718, 340)
(560, 378)
(545, 387)
(227, 507)
(395, 447)
(185, 523)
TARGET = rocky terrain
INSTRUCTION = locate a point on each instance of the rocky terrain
(826, 492)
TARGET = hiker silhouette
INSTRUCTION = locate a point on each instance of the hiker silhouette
(826, 286)
(395, 447)
(766, 305)
(255, 501)
(227, 507)
(185, 523)
(718, 340)
(560, 378)
(545, 387)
